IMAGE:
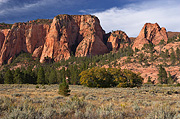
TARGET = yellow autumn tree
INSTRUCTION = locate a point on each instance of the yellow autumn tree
(111, 77)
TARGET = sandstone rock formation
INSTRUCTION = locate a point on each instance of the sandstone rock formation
(173, 34)
(81, 35)
(91, 37)
(5, 31)
(150, 33)
(118, 39)
(56, 39)
(2, 38)
(22, 38)
(3, 34)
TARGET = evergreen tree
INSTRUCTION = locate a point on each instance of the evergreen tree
(68, 73)
(172, 57)
(32, 77)
(170, 80)
(149, 79)
(52, 77)
(41, 76)
(18, 76)
(162, 76)
(74, 75)
(1, 79)
(161, 44)
(136, 50)
(141, 58)
(63, 73)
(166, 53)
(8, 77)
(64, 88)
(129, 51)
(47, 74)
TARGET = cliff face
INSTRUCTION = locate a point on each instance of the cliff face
(80, 35)
(22, 38)
(3, 34)
(150, 33)
(90, 37)
(118, 39)
(76, 34)
(2, 38)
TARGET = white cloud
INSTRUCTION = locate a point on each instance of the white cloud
(41, 4)
(3, 1)
(87, 11)
(131, 18)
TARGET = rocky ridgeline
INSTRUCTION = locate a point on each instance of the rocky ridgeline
(80, 35)
(66, 35)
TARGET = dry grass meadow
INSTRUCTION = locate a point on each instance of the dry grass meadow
(43, 102)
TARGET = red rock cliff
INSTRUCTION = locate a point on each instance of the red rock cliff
(150, 33)
(81, 35)
(2, 38)
(22, 37)
(118, 39)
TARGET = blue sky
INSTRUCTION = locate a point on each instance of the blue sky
(126, 15)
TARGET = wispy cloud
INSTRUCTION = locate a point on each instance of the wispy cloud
(3, 1)
(88, 11)
(131, 18)
(19, 10)
(30, 5)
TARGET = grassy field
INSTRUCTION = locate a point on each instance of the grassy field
(43, 102)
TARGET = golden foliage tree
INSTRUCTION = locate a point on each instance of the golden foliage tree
(101, 77)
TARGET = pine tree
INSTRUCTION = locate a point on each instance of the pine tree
(64, 88)
(41, 76)
(162, 76)
(149, 79)
(178, 55)
(30, 75)
(172, 57)
(47, 76)
(63, 73)
(18, 76)
(52, 77)
(141, 58)
(161, 44)
(166, 53)
(8, 77)
(1, 79)
(170, 80)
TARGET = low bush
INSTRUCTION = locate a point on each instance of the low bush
(64, 88)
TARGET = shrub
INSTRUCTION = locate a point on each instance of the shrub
(64, 88)
(162, 112)
(178, 84)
